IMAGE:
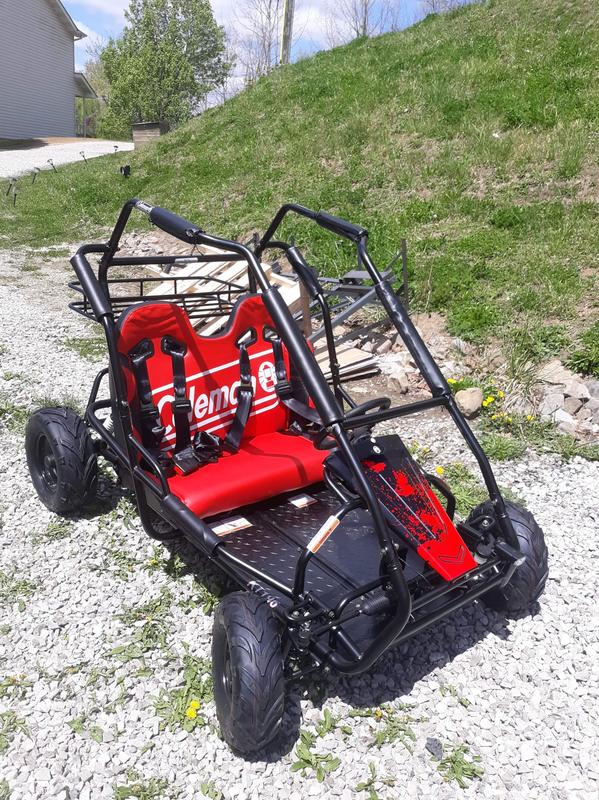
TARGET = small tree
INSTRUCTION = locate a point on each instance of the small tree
(169, 56)
(352, 19)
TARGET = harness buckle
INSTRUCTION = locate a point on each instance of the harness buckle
(283, 388)
(181, 404)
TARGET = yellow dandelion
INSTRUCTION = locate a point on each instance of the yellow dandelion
(191, 713)
(378, 713)
(530, 417)
(501, 395)
(195, 704)
(493, 416)
(509, 419)
(451, 380)
(440, 471)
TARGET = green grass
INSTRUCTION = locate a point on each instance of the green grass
(472, 134)
(586, 359)
(515, 433)
(501, 447)
(91, 348)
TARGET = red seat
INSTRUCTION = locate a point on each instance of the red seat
(264, 466)
(270, 460)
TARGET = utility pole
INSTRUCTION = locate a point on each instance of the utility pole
(288, 10)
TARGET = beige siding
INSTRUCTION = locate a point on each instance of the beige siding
(36, 71)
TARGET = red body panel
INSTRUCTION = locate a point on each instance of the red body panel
(403, 489)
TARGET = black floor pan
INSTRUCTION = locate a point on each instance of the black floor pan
(280, 531)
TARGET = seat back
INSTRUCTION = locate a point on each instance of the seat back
(211, 367)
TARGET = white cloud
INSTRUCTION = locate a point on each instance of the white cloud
(82, 45)
(112, 8)
(310, 22)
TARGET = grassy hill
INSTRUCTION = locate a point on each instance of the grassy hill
(474, 135)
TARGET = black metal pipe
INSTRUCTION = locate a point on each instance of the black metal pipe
(304, 559)
(391, 413)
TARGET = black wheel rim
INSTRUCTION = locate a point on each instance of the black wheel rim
(227, 680)
(47, 462)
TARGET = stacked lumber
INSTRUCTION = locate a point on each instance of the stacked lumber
(354, 363)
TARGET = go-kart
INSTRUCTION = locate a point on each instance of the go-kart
(338, 542)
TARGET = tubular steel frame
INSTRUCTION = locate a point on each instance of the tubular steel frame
(151, 487)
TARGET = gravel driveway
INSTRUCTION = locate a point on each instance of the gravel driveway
(98, 625)
(21, 160)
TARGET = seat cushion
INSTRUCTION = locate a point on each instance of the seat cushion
(265, 466)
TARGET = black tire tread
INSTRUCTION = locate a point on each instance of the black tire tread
(253, 634)
(528, 582)
(75, 458)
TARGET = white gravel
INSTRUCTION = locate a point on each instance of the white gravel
(529, 688)
(19, 160)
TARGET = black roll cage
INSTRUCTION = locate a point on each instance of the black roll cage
(152, 490)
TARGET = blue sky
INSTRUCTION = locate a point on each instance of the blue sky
(104, 18)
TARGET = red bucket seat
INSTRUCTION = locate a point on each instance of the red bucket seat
(271, 459)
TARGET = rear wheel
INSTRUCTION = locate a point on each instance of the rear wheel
(247, 668)
(528, 581)
(61, 459)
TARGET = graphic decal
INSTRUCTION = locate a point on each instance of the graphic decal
(402, 488)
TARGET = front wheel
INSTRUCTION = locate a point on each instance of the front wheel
(247, 669)
(61, 459)
(528, 581)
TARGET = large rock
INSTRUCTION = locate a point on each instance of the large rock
(572, 405)
(383, 347)
(554, 372)
(551, 403)
(593, 387)
(398, 380)
(562, 417)
(470, 401)
(577, 389)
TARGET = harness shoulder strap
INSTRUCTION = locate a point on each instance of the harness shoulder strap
(152, 429)
(284, 388)
(245, 396)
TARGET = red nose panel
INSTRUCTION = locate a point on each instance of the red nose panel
(408, 498)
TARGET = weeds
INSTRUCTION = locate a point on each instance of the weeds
(209, 790)
(152, 789)
(330, 723)
(457, 767)
(14, 687)
(181, 707)
(13, 417)
(542, 436)
(10, 726)
(173, 565)
(204, 599)
(396, 726)
(448, 689)
(82, 726)
(151, 635)
(4, 789)
(14, 590)
(307, 760)
(56, 530)
(372, 782)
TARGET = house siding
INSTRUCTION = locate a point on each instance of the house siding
(37, 86)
